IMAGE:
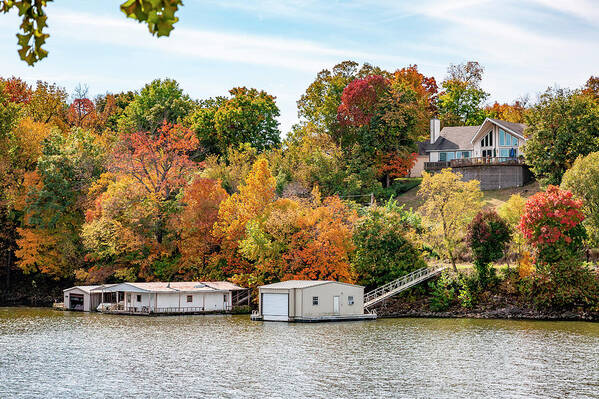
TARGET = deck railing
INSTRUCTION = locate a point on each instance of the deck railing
(436, 165)
(165, 310)
(478, 161)
(507, 161)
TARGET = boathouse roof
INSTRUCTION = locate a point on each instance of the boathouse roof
(290, 284)
(179, 286)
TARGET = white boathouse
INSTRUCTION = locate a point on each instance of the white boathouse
(157, 297)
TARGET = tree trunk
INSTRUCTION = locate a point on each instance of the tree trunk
(455, 268)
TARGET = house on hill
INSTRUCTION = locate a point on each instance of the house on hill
(490, 153)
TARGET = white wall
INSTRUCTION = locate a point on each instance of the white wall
(325, 294)
(86, 299)
(210, 301)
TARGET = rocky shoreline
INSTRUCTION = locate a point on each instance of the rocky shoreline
(497, 306)
(503, 313)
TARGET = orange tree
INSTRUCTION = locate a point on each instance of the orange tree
(159, 163)
(198, 246)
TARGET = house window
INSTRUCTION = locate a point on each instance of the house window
(463, 154)
(487, 141)
(506, 139)
(225, 297)
(138, 298)
(350, 300)
(189, 298)
(314, 301)
(446, 156)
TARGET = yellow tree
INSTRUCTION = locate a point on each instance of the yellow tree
(511, 211)
(449, 205)
(235, 212)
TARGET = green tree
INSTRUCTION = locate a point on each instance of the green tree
(449, 205)
(488, 237)
(511, 211)
(249, 116)
(158, 101)
(582, 179)
(159, 15)
(55, 199)
(202, 122)
(383, 252)
(562, 126)
(462, 98)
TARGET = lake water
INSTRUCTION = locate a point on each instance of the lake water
(52, 354)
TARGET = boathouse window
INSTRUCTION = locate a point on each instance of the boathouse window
(314, 301)
(350, 300)
(189, 298)
(138, 298)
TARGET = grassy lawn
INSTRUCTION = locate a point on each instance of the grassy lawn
(492, 198)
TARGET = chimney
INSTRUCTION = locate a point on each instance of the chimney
(435, 129)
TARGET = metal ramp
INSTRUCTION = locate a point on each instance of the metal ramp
(401, 284)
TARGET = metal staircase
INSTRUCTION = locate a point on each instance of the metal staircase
(401, 284)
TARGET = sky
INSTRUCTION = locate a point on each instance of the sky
(279, 46)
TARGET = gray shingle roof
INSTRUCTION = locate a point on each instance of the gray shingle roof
(452, 138)
(514, 127)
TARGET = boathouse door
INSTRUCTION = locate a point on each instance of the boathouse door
(275, 307)
(336, 304)
(76, 302)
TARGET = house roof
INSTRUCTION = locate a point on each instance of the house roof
(183, 286)
(87, 288)
(452, 138)
(517, 128)
(463, 137)
(511, 127)
(290, 284)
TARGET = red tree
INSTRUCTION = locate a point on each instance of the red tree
(551, 223)
(395, 165)
(18, 90)
(360, 99)
(82, 112)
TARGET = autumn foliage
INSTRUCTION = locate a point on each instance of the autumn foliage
(360, 99)
(551, 223)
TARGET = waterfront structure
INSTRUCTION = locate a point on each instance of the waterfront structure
(82, 298)
(490, 153)
(305, 300)
(157, 297)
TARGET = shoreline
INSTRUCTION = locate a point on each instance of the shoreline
(497, 314)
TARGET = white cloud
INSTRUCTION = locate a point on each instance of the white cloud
(271, 51)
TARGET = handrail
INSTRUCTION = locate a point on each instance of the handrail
(402, 281)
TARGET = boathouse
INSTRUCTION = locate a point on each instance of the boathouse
(303, 300)
(157, 297)
(81, 297)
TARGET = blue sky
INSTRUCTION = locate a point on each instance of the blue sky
(279, 46)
